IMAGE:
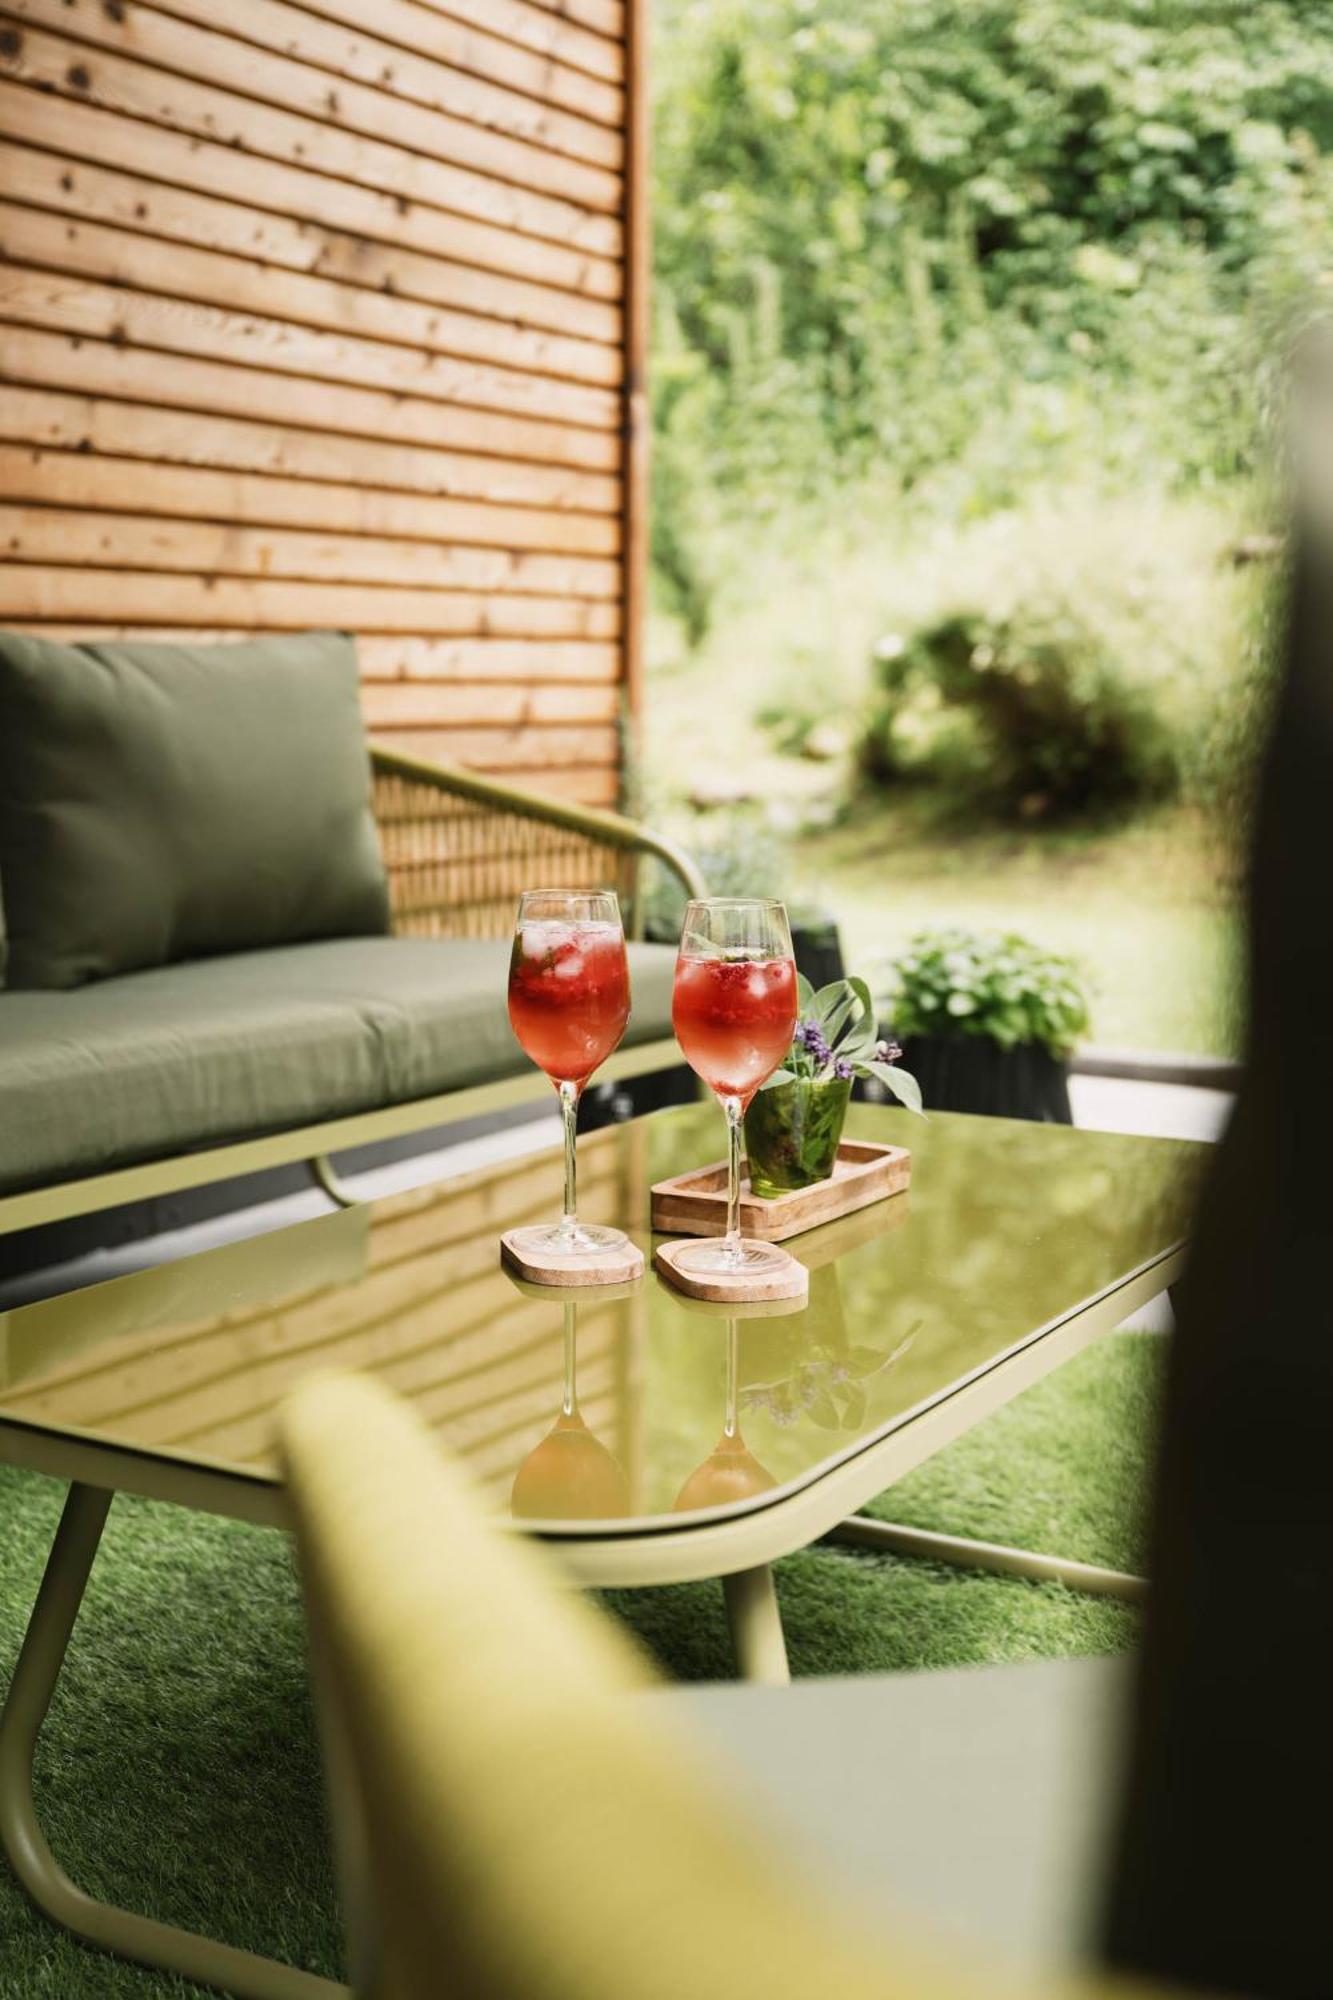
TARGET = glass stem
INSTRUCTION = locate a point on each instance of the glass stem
(571, 1395)
(569, 1111)
(735, 1119)
(730, 1425)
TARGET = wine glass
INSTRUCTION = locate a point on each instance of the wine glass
(568, 1007)
(570, 1475)
(734, 1012)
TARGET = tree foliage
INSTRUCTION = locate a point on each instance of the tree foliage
(924, 235)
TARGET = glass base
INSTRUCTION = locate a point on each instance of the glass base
(748, 1257)
(559, 1239)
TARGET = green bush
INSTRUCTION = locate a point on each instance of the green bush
(955, 982)
(1077, 655)
(1060, 726)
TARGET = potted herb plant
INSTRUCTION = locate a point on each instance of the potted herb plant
(988, 1022)
(795, 1121)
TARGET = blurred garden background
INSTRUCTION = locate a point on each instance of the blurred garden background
(970, 324)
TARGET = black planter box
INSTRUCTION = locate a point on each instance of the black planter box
(971, 1073)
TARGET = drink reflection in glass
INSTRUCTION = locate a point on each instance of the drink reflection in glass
(568, 1007)
(731, 1472)
(734, 1012)
(570, 1475)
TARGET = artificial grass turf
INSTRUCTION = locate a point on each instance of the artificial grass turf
(179, 1773)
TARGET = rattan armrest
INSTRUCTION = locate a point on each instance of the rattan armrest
(460, 847)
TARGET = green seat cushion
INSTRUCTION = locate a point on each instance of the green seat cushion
(186, 1056)
(164, 802)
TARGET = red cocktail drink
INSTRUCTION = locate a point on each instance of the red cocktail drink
(568, 995)
(734, 1011)
(568, 1007)
(734, 1018)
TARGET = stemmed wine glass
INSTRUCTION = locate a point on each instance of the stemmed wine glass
(568, 1007)
(734, 1012)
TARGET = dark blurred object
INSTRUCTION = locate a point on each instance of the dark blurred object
(972, 1073)
(817, 948)
(630, 1097)
(1221, 1878)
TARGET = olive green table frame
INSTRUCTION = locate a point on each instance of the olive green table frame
(739, 1549)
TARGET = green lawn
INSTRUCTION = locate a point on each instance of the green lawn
(179, 1771)
(1149, 909)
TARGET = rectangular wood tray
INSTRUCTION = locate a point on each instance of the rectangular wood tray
(695, 1204)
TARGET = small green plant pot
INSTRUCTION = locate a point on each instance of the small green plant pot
(792, 1133)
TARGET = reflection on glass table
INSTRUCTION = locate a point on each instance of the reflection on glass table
(731, 1471)
(570, 1475)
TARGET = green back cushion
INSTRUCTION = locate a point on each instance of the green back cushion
(162, 802)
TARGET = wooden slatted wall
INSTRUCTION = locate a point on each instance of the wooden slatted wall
(314, 312)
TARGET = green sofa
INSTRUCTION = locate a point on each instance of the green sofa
(171, 1075)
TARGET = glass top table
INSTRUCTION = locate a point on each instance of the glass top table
(649, 1439)
(610, 1413)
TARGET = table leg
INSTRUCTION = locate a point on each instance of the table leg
(862, 1532)
(756, 1626)
(40, 1659)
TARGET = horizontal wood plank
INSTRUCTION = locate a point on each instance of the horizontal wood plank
(393, 656)
(489, 174)
(372, 429)
(525, 749)
(31, 591)
(98, 424)
(101, 75)
(88, 539)
(558, 34)
(603, 17)
(347, 227)
(406, 71)
(343, 282)
(530, 660)
(420, 705)
(78, 478)
(231, 323)
(412, 26)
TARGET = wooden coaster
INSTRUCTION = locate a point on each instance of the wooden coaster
(614, 1266)
(790, 1280)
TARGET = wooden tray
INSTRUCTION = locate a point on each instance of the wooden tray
(695, 1204)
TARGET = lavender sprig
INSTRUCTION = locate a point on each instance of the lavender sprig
(837, 1038)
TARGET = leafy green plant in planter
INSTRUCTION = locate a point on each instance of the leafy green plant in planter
(988, 1021)
(742, 854)
(795, 1121)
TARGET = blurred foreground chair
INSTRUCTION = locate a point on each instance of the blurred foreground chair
(519, 1818)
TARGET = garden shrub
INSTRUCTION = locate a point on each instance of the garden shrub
(1060, 724)
(1068, 657)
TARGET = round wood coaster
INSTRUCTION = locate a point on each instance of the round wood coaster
(790, 1280)
(616, 1265)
